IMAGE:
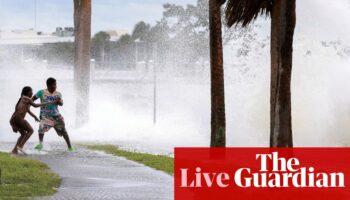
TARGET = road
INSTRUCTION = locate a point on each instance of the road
(94, 175)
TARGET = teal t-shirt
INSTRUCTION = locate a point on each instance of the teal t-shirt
(50, 110)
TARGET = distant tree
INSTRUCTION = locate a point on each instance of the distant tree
(243, 12)
(218, 119)
(188, 33)
(125, 40)
(82, 24)
(140, 31)
(124, 48)
(188, 30)
(181, 36)
(158, 43)
(202, 15)
(100, 44)
(142, 44)
(61, 53)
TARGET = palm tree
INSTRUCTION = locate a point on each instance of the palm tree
(100, 43)
(82, 24)
(243, 12)
(218, 119)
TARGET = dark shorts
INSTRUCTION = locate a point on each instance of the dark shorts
(21, 125)
(57, 122)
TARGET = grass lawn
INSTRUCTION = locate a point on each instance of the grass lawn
(22, 178)
(158, 162)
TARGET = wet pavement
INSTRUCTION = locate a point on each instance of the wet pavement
(94, 175)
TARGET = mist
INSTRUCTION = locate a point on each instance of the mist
(121, 102)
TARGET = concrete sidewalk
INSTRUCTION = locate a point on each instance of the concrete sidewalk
(92, 175)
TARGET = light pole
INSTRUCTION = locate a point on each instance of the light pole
(137, 51)
(154, 94)
(154, 84)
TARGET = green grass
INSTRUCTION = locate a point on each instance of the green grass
(158, 162)
(23, 178)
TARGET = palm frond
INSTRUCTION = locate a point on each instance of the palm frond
(243, 12)
(222, 2)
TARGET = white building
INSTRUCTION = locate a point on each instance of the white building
(31, 37)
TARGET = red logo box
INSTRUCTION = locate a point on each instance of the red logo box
(262, 173)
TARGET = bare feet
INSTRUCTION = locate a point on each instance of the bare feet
(14, 151)
(21, 150)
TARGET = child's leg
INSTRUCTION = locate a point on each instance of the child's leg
(25, 129)
(45, 126)
(19, 140)
(60, 128)
(26, 138)
(41, 138)
(40, 146)
(66, 138)
(63, 133)
(29, 131)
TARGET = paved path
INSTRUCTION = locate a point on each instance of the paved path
(92, 175)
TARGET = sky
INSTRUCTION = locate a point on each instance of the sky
(106, 14)
(124, 14)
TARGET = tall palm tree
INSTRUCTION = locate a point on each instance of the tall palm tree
(282, 12)
(82, 24)
(218, 119)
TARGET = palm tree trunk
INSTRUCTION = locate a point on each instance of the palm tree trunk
(218, 121)
(282, 33)
(103, 55)
(82, 24)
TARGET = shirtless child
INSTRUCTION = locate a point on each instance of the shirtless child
(18, 122)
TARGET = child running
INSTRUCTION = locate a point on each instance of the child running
(50, 116)
(18, 122)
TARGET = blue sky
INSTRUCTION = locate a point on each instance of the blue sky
(106, 14)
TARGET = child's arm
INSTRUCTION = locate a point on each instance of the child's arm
(59, 101)
(33, 115)
(38, 95)
(36, 105)
(34, 98)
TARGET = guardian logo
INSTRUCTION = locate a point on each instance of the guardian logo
(285, 171)
(303, 173)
